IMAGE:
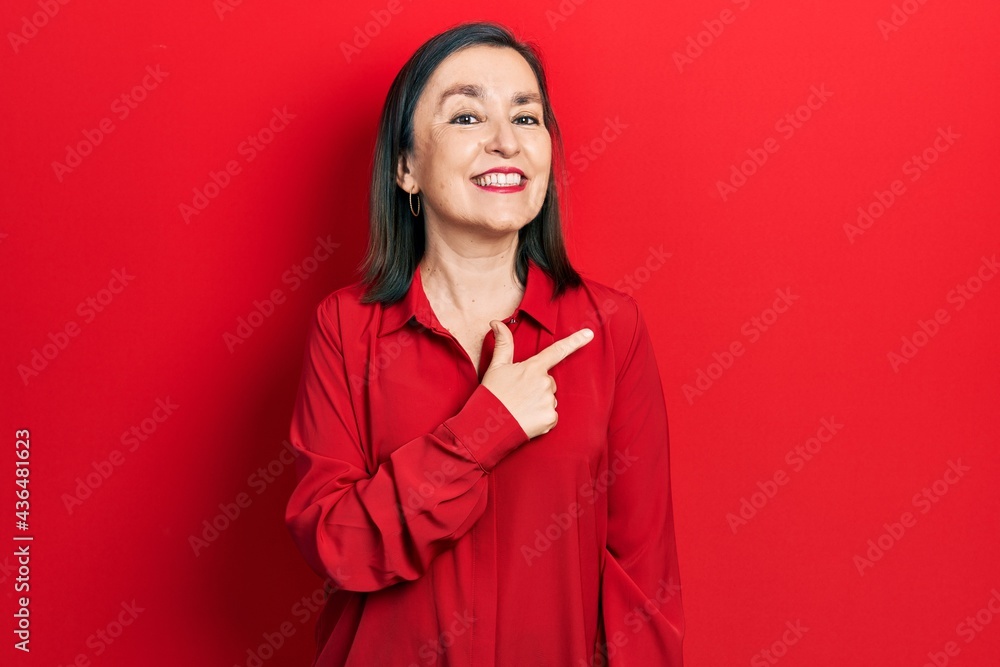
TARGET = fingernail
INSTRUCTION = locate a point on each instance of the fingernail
(588, 334)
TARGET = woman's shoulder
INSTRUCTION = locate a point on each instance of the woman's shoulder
(610, 305)
(348, 296)
(343, 305)
(613, 310)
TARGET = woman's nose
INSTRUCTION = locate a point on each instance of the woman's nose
(503, 138)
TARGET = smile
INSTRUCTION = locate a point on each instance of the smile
(497, 182)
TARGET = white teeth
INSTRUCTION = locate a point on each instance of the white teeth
(498, 179)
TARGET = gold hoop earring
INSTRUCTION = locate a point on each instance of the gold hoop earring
(417, 212)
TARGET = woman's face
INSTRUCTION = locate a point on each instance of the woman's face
(480, 109)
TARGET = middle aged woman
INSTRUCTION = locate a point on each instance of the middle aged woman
(463, 514)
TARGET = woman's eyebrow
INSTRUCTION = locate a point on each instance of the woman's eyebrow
(475, 90)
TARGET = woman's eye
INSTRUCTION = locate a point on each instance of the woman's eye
(457, 120)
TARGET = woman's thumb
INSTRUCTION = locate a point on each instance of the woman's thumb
(503, 346)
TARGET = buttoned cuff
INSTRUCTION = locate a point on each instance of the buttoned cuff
(486, 428)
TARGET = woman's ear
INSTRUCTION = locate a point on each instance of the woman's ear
(404, 178)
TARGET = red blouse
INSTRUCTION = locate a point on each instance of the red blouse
(449, 537)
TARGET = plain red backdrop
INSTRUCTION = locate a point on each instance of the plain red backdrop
(691, 187)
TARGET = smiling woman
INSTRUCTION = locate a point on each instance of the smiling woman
(460, 518)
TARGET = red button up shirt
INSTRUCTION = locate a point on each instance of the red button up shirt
(450, 538)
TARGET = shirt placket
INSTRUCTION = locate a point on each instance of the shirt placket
(484, 547)
(483, 631)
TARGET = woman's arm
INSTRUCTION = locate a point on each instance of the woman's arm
(643, 621)
(367, 532)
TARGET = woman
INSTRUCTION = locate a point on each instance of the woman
(463, 514)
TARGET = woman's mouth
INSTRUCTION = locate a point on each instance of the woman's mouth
(500, 183)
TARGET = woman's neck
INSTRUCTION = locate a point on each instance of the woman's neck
(472, 286)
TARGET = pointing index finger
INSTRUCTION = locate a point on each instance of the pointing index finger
(562, 348)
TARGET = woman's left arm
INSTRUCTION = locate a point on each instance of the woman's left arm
(640, 586)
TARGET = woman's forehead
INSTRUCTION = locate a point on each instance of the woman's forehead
(481, 71)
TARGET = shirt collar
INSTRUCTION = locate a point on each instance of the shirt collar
(536, 302)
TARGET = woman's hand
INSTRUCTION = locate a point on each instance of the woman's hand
(526, 389)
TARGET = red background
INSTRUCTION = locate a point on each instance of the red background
(649, 136)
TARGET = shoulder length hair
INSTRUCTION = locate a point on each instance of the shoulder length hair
(396, 241)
